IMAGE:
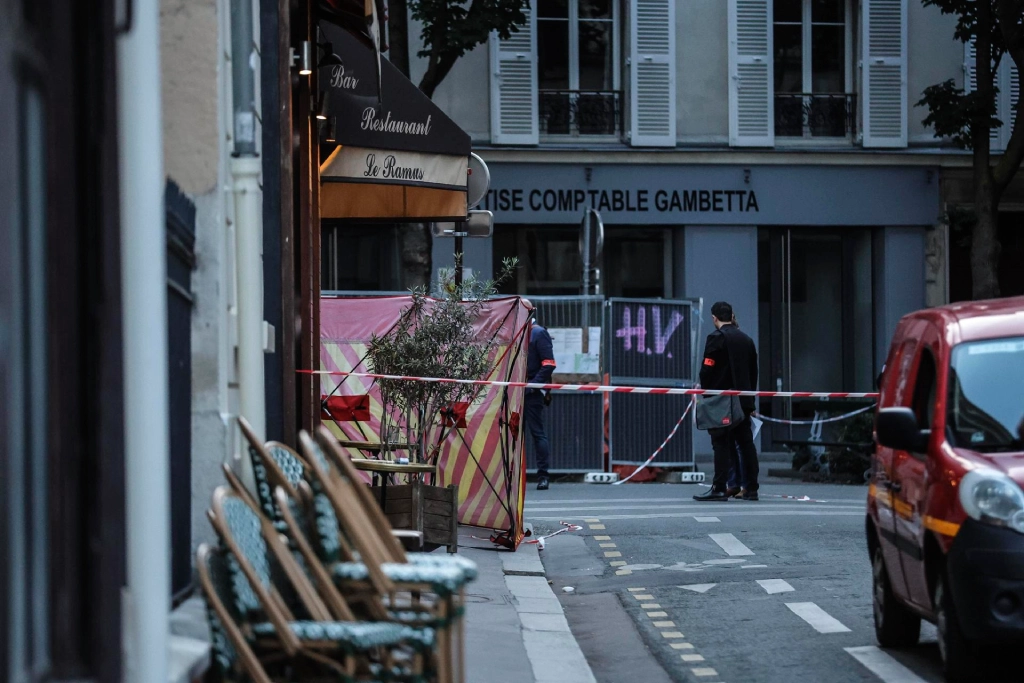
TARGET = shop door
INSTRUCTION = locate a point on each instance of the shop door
(816, 323)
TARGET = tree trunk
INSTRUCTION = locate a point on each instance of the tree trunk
(415, 244)
(984, 241)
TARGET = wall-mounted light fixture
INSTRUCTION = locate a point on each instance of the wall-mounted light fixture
(321, 107)
(330, 57)
(305, 58)
(746, 176)
(331, 134)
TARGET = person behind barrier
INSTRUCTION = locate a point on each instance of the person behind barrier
(730, 362)
(540, 365)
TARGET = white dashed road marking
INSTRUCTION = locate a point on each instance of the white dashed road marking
(883, 665)
(699, 587)
(819, 619)
(731, 545)
(773, 586)
(706, 519)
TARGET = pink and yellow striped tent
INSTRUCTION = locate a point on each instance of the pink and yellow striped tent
(485, 458)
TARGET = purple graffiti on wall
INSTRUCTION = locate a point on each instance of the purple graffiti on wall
(661, 335)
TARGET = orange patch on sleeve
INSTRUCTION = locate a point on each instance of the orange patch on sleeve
(709, 362)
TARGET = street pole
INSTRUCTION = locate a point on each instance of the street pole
(144, 302)
(245, 170)
(461, 228)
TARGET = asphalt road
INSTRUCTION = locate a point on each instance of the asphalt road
(668, 589)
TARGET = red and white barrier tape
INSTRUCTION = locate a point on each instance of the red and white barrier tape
(604, 389)
(662, 446)
(836, 418)
(566, 526)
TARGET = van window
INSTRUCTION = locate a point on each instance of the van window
(924, 390)
(986, 402)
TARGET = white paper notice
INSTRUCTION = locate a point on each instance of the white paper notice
(566, 342)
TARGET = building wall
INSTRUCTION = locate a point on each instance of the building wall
(935, 55)
(702, 72)
(195, 55)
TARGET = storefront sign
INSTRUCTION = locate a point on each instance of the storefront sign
(363, 165)
(652, 194)
(399, 117)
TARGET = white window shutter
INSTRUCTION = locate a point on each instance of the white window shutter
(514, 119)
(971, 84)
(1006, 101)
(751, 80)
(884, 50)
(652, 69)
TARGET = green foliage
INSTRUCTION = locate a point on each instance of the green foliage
(451, 28)
(952, 112)
(434, 337)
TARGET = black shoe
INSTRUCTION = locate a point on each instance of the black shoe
(542, 484)
(749, 495)
(712, 495)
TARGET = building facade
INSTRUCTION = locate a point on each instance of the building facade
(766, 152)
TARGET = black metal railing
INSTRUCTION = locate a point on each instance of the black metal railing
(816, 115)
(580, 112)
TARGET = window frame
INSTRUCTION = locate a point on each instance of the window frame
(574, 44)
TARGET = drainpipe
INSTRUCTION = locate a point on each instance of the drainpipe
(144, 303)
(245, 169)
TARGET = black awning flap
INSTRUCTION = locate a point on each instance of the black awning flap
(402, 118)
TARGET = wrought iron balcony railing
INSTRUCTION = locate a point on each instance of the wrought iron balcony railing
(580, 112)
(816, 115)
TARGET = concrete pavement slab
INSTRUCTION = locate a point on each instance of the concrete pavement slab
(525, 561)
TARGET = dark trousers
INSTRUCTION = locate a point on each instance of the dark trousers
(535, 423)
(724, 442)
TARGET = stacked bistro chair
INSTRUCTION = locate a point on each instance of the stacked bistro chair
(348, 550)
(254, 625)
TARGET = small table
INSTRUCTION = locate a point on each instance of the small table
(384, 468)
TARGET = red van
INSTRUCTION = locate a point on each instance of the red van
(945, 522)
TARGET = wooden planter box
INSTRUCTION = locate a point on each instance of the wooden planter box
(431, 510)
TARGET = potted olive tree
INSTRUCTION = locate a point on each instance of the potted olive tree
(434, 337)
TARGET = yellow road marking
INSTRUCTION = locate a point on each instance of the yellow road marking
(612, 553)
(636, 590)
(664, 624)
(692, 658)
(602, 538)
(650, 605)
(595, 527)
(652, 615)
(644, 597)
(606, 545)
(672, 634)
(704, 671)
(618, 563)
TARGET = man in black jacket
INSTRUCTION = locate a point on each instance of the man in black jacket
(730, 362)
(539, 367)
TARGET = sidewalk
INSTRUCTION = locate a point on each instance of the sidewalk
(516, 631)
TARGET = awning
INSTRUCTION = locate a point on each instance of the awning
(399, 156)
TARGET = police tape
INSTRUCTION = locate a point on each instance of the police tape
(834, 418)
(566, 526)
(660, 448)
(598, 388)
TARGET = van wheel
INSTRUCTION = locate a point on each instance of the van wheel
(895, 625)
(958, 658)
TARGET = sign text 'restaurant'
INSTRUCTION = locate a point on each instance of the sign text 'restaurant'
(659, 201)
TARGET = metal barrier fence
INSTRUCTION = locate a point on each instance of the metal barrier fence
(651, 342)
(645, 342)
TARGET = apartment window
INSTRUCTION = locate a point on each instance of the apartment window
(577, 79)
(813, 68)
